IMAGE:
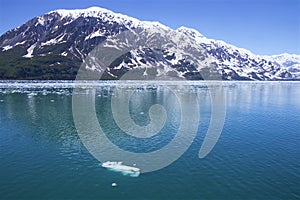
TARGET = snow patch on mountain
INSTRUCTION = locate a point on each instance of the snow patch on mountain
(40, 21)
(201, 39)
(57, 40)
(106, 16)
(30, 51)
(7, 48)
(98, 33)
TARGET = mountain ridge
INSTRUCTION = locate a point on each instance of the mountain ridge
(54, 45)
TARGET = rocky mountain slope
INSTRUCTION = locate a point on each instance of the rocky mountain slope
(55, 45)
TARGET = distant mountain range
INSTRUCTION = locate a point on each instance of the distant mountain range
(54, 46)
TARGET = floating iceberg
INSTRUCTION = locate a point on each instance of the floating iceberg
(124, 169)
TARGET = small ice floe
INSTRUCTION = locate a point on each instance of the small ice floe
(44, 93)
(52, 100)
(114, 184)
(1, 100)
(124, 169)
(31, 94)
(141, 113)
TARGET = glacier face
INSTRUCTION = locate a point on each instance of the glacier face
(54, 45)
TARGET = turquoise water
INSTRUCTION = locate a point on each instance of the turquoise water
(256, 157)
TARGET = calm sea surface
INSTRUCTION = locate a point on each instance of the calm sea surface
(257, 155)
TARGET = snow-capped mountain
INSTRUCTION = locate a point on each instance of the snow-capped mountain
(286, 60)
(55, 45)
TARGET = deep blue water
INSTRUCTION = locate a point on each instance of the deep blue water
(256, 157)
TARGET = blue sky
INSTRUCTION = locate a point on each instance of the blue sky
(264, 27)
